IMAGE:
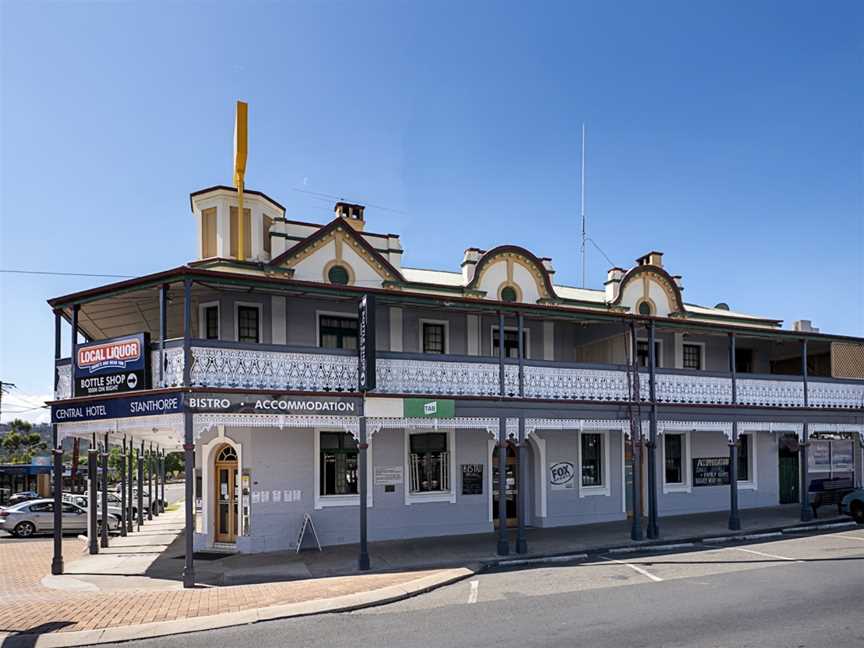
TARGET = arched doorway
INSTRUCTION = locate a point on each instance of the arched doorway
(227, 493)
(511, 476)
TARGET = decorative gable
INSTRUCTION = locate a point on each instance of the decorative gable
(646, 289)
(509, 271)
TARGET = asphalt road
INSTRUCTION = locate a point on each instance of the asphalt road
(797, 592)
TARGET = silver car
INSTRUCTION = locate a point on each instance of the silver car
(37, 516)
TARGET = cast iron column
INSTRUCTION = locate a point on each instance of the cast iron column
(806, 511)
(149, 465)
(734, 519)
(162, 502)
(57, 560)
(636, 441)
(188, 440)
(92, 458)
(123, 511)
(104, 535)
(130, 500)
(140, 485)
(163, 327)
(653, 532)
(363, 476)
(158, 508)
(503, 541)
(522, 481)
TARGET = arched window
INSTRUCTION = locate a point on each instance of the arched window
(508, 294)
(227, 453)
(338, 275)
(645, 308)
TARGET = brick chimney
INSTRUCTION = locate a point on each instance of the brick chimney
(652, 258)
(469, 263)
(613, 283)
(353, 214)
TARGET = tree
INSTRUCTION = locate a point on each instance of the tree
(174, 462)
(20, 444)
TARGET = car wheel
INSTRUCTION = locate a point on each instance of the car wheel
(858, 512)
(24, 529)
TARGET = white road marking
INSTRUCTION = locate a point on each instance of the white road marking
(763, 554)
(843, 535)
(636, 568)
(475, 591)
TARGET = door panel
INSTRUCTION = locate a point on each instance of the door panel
(226, 502)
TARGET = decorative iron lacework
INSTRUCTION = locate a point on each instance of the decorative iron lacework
(837, 427)
(696, 426)
(135, 426)
(770, 393)
(374, 425)
(173, 372)
(761, 426)
(206, 422)
(838, 395)
(64, 382)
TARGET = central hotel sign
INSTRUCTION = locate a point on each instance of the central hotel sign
(112, 366)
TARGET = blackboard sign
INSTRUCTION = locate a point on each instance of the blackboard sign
(711, 471)
(472, 479)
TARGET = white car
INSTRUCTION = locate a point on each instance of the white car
(37, 516)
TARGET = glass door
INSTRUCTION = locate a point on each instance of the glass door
(512, 486)
(226, 503)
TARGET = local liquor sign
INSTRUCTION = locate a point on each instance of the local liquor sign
(112, 366)
(366, 344)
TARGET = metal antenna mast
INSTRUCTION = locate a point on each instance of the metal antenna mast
(582, 210)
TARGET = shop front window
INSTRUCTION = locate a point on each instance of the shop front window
(338, 464)
(674, 446)
(592, 460)
(743, 454)
(429, 462)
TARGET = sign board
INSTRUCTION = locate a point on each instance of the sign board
(387, 475)
(366, 344)
(711, 471)
(428, 408)
(562, 475)
(258, 404)
(472, 479)
(842, 456)
(118, 408)
(112, 366)
(307, 524)
(819, 456)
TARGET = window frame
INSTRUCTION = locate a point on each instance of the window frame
(260, 307)
(445, 323)
(514, 329)
(202, 320)
(685, 486)
(320, 313)
(659, 352)
(751, 483)
(605, 488)
(431, 496)
(326, 501)
(702, 356)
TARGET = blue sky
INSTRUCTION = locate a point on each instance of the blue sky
(728, 135)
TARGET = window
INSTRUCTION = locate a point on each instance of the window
(692, 354)
(208, 232)
(71, 508)
(338, 275)
(429, 462)
(511, 342)
(743, 360)
(268, 223)
(434, 338)
(338, 464)
(43, 507)
(743, 454)
(673, 445)
(644, 308)
(247, 232)
(508, 294)
(642, 353)
(248, 324)
(210, 322)
(336, 332)
(592, 460)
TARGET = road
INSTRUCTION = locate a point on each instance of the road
(790, 592)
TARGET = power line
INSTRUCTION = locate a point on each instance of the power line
(63, 274)
(335, 197)
(599, 249)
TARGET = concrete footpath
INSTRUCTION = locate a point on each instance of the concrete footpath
(132, 590)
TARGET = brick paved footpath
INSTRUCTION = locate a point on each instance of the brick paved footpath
(26, 605)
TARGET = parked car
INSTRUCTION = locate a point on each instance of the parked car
(144, 498)
(853, 504)
(115, 504)
(37, 516)
(23, 496)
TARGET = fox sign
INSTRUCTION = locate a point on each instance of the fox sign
(112, 366)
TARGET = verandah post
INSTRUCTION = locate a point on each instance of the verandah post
(124, 513)
(130, 469)
(57, 559)
(522, 481)
(734, 519)
(188, 440)
(104, 534)
(92, 539)
(653, 532)
(140, 484)
(503, 542)
(636, 444)
(806, 511)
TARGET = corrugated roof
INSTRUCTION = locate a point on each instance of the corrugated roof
(440, 277)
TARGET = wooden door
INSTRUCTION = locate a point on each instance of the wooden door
(226, 495)
(788, 469)
(511, 477)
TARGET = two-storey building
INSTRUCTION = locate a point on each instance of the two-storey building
(492, 376)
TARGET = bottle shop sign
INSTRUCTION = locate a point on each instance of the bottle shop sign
(112, 366)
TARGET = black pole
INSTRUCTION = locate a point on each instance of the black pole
(163, 326)
(734, 518)
(130, 469)
(92, 538)
(123, 511)
(653, 531)
(636, 445)
(522, 481)
(152, 504)
(158, 508)
(503, 547)
(162, 502)
(363, 478)
(140, 485)
(806, 511)
(188, 440)
(104, 534)
(57, 560)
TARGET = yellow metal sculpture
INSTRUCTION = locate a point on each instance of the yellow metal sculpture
(240, 150)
